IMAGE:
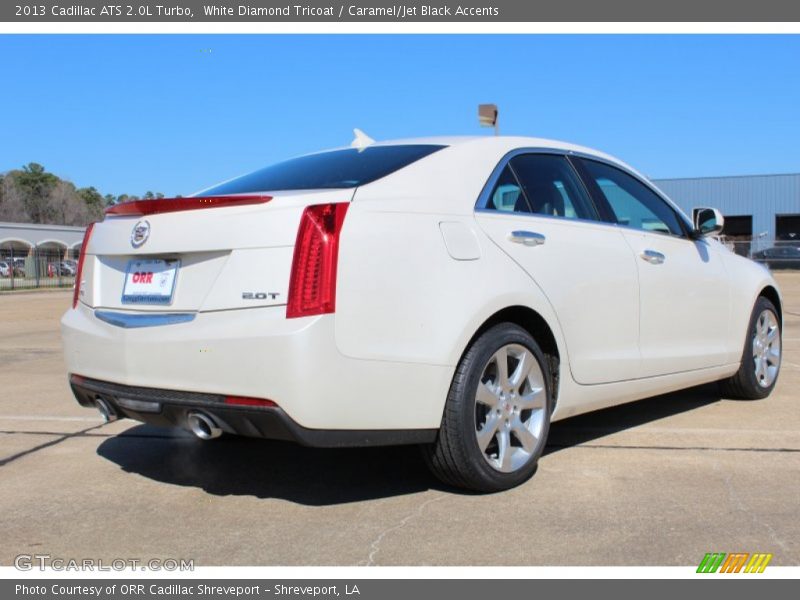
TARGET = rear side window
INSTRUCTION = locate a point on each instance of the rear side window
(327, 170)
(542, 184)
(507, 195)
(552, 187)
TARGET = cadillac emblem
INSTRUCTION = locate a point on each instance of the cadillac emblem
(140, 233)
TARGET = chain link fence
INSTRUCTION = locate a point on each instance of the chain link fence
(37, 268)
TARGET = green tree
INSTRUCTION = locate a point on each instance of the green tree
(94, 202)
(32, 195)
(91, 196)
(35, 185)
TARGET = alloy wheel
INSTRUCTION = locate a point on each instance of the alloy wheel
(766, 348)
(510, 405)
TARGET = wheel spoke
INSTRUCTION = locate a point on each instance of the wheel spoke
(487, 432)
(486, 396)
(533, 399)
(773, 355)
(522, 370)
(772, 334)
(759, 367)
(501, 359)
(761, 372)
(525, 437)
(504, 449)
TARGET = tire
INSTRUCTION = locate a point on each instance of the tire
(761, 357)
(514, 418)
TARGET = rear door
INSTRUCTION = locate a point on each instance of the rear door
(537, 210)
(684, 288)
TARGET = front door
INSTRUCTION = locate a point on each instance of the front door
(684, 293)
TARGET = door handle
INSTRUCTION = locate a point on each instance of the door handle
(527, 238)
(653, 257)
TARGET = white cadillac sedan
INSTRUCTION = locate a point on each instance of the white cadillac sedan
(457, 293)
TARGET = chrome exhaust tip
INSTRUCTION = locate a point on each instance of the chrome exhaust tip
(106, 410)
(203, 426)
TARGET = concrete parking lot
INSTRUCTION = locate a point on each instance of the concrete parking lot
(657, 482)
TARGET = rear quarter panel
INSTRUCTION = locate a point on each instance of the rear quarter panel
(402, 297)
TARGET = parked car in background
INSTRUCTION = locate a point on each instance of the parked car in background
(68, 267)
(457, 293)
(5, 269)
(780, 257)
(61, 269)
(19, 267)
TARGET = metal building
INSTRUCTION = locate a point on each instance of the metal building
(762, 209)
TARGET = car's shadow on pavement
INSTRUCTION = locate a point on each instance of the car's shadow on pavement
(316, 477)
(240, 466)
(590, 426)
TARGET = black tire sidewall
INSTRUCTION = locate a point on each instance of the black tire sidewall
(484, 347)
(748, 375)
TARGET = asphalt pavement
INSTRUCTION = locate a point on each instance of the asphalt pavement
(657, 482)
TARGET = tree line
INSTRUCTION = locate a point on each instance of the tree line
(32, 195)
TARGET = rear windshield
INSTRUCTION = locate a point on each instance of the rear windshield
(336, 169)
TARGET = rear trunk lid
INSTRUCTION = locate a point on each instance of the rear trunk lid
(203, 259)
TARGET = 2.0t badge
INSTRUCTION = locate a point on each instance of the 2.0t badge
(140, 233)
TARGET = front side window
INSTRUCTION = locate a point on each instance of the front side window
(632, 203)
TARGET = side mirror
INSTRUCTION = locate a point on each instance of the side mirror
(707, 221)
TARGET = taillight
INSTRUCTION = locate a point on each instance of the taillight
(165, 205)
(312, 286)
(79, 271)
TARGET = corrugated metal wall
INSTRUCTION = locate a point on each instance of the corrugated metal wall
(762, 196)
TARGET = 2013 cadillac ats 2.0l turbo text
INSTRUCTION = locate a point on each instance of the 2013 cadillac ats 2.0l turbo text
(457, 293)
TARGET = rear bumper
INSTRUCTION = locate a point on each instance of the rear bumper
(258, 353)
(170, 409)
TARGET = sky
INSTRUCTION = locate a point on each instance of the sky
(177, 113)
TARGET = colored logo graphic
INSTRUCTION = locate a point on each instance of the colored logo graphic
(740, 562)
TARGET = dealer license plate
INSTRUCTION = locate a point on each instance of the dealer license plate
(150, 281)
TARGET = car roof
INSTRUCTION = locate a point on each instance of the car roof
(507, 143)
